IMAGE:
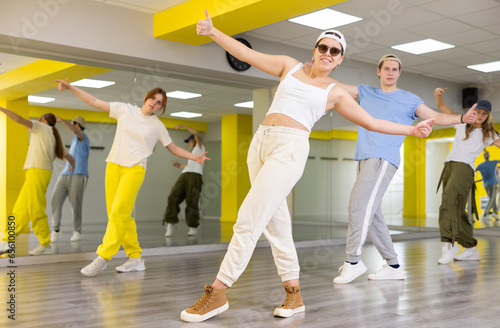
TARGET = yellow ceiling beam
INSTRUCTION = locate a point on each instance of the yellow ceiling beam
(232, 17)
(40, 75)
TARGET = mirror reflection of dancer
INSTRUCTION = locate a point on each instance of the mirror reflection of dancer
(45, 145)
(187, 187)
(457, 180)
(137, 132)
(276, 160)
(72, 184)
(488, 170)
(378, 160)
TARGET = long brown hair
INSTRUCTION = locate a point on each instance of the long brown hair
(155, 91)
(487, 128)
(51, 120)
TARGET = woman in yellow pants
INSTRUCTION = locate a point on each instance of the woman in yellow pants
(45, 145)
(137, 132)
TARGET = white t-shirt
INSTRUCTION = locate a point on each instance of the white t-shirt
(466, 151)
(194, 166)
(136, 135)
(42, 147)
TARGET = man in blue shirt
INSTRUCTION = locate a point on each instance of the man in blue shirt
(488, 171)
(72, 184)
(378, 160)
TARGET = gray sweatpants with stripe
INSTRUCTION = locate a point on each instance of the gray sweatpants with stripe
(68, 186)
(365, 212)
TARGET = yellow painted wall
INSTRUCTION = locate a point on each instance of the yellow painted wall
(236, 135)
(14, 140)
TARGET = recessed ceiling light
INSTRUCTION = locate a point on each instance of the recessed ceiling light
(90, 83)
(40, 100)
(423, 46)
(246, 104)
(185, 114)
(486, 67)
(325, 19)
(183, 95)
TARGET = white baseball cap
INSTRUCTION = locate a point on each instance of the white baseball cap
(335, 35)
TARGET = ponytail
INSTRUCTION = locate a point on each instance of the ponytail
(59, 149)
(59, 144)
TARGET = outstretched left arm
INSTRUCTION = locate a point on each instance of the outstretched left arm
(425, 113)
(181, 152)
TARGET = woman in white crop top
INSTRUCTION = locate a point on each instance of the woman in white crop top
(276, 160)
(137, 132)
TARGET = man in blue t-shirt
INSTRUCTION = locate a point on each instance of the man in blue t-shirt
(488, 171)
(378, 160)
(72, 184)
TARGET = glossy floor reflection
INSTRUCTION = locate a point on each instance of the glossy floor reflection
(460, 294)
(152, 235)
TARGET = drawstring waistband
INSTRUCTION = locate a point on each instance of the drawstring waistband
(267, 130)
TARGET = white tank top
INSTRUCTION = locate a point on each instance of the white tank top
(193, 166)
(303, 102)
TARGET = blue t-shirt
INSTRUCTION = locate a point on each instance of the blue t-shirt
(488, 171)
(80, 151)
(397, 106)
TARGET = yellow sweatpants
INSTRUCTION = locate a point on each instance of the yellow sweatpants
(122, 186)
(31, 204)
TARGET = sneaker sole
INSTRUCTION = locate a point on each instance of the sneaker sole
(471, 259)
(43, 253)
(396, 278)
(287, 313)
(188, 317)
(130, 270)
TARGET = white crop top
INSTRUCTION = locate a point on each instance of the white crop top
(303, 102)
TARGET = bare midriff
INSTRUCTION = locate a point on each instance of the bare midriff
(276, 119)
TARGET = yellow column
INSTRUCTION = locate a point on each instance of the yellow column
(14, 140)
(414, 182)
(236, 134)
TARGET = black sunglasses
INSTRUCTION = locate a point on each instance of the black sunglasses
(334, 51)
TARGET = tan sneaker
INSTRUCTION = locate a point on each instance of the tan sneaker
(213, 302)
(293, 303)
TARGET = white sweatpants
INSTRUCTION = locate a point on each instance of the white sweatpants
(276, 161)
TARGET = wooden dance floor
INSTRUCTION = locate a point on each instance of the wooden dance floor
(461, 294)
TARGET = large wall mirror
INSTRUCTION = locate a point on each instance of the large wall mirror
(319, 201)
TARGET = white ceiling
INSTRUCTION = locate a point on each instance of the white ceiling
(472, 26)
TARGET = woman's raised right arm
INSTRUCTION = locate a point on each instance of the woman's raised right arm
(85, 96)
(17, 118)
(272, 64)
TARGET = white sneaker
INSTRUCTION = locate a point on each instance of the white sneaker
(495, 215)
(132, 264)
(76, 236)
(98, 265)
(448, 252)
(469, 254)
(192, 231)
(349, 272)
(486, 217)
(4, 247)
(54, 236)
(170, 230)
(41, 250)
(388, 273)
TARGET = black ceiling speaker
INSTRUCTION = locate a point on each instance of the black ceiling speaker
(469, 97)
